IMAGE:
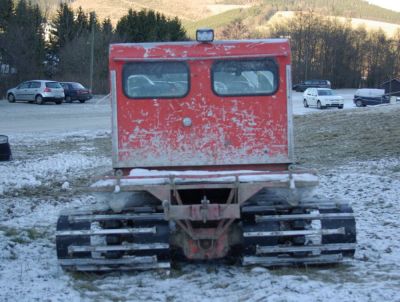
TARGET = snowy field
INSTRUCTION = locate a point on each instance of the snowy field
(58, 150)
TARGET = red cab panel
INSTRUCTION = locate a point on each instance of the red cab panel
(191, 104)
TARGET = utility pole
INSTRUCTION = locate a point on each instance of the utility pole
(92, 52)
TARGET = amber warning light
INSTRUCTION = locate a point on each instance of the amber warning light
(205, 35)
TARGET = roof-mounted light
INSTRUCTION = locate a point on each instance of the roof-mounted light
(205, 35)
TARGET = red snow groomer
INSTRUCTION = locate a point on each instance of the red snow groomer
(202, 148)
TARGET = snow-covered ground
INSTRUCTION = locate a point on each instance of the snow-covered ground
(57, 149)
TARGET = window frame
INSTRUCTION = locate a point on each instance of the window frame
(28, 84)
(32, 83)
(261, 59)
(185, 64)
(52, 82)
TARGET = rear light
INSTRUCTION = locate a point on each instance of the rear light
(47, 89)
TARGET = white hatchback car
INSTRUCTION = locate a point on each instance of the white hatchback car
(38, 91)
(322, 98)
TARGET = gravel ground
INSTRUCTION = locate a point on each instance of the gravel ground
(355, 150)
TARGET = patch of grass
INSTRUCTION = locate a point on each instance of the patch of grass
(34, 234)
(9, 232)
(14, 235)
(396, 169)
(214, 22)
(22, 236)
(86, 286)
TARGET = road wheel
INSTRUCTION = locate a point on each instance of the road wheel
(319, 105)
(82, 101)
(58, 102)
(39, 100)
(305, 103)
(340, 107)
(359, 103)
(68, 99)
(11, 98)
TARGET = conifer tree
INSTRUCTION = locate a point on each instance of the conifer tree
(148, 26)
(6, 12)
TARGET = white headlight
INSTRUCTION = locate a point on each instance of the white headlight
(3, 139)
(205, 35)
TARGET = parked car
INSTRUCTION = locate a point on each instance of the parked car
(38, 91)
(369, 96)
(302, 86)
(75, 92)
(322, 98)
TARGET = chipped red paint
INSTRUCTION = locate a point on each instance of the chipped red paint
(226, 131)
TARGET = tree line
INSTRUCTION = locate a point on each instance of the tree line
(326, 48)
(60, 48)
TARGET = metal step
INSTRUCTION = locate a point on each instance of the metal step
(256, 209)
(307, 248)
(105, 210)
(283, 261)
(104, 268)
(108, 217)
(124, 247)
(304, 217)
(102, 264)
(106, 261)
(130, 231)
(340, 231)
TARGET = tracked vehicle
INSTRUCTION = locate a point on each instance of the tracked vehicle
(203, 165)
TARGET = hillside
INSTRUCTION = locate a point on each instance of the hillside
(345, 8)
(201, 10)
(389, 28)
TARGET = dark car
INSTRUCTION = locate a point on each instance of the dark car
(302, 86)
(75, 92)
(370, 96)
(5, 150)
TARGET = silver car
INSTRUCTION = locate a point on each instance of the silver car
(322, 98)
(38, 91)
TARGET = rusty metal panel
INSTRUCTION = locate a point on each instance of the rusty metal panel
(223, 130)
(114, 117)
(197, 212)
(290, 112)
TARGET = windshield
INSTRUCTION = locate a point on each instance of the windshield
(53, 85)
(245, 77)
(156, 79)
(325, 92)
(77, 86)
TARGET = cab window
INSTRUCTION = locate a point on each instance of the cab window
(245, 77)
(156, 79)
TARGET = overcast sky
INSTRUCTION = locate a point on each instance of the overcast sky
(390, 4)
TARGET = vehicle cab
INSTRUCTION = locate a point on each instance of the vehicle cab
(201, 104)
